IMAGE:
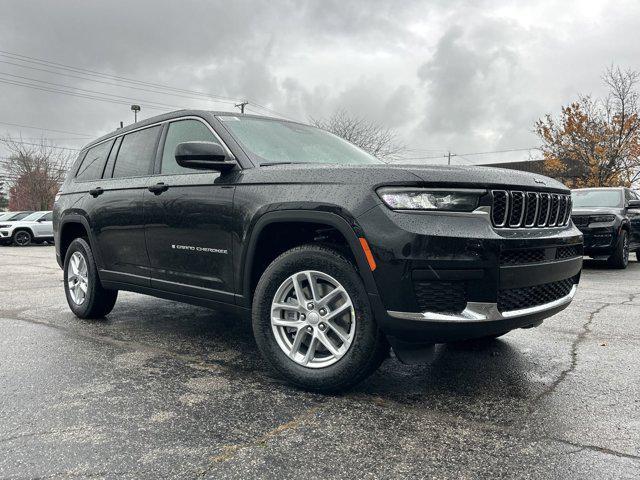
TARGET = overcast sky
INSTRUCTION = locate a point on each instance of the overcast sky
(465, 76)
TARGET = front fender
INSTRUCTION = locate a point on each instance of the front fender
(349, 229)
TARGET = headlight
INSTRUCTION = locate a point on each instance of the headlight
(5, 226)
(602, 218)
(453, 200)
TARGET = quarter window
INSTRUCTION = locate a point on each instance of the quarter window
(178, 132)
(93, 163)
(136, 152)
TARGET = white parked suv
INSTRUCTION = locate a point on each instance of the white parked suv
(34, 228)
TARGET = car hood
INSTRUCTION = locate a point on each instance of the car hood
(425, 175)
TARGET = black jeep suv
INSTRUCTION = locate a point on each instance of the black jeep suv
(335, 253)
(609, 219)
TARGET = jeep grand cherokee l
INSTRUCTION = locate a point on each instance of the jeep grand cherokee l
(335, 254)
(609, 219)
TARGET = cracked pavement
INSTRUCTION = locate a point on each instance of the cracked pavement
(165, 390)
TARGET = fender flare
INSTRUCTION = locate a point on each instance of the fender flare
(77, 218)
(28, 229)
(304, 216)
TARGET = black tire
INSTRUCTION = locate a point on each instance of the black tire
(369, 347)
(620, 256)
(21, 238)
(98, 301)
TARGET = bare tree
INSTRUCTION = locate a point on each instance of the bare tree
(34, 172)
(379, 141)
(596, 141)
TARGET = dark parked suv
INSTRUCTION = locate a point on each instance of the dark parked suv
(335, 253)
(609, 219)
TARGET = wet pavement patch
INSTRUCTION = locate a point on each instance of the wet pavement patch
(164, 390)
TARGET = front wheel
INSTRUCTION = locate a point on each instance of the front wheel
(86, 296)
(313, 323)
(620, 257)
(22, 238)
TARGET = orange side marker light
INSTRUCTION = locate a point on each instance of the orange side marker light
(367, 253)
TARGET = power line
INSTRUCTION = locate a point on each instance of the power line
(211, 98)
(73, 94)
(46, 146)
(44, 129)
(91, 92)
(84, 71)
(472, 153)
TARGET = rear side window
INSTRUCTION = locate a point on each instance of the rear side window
(136, 152)
(93, 163)
(183, 131)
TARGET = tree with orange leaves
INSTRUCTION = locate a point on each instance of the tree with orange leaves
(596, 142)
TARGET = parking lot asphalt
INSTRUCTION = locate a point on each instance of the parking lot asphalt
(165, 390)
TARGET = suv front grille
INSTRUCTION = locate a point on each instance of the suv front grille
(441, 297)
(517, 298)
(517, 209)
(580, 220)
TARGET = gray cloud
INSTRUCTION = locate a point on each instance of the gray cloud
(461, 75)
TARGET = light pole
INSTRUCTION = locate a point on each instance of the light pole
(135, 109)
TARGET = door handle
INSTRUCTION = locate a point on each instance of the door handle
(158, 188)
(94, 192)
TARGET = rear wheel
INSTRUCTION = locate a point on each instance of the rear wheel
(620, 257)
(22, 238)
(86, 296)
(313, 323)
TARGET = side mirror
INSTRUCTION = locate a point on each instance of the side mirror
(203, 156)
(633, 204)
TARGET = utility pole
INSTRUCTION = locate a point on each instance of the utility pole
(241, 105)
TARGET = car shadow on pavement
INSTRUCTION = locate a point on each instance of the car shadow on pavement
(471, 369)
(225, 340)
(593, 264)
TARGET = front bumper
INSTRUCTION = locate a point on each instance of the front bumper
(600, 241)
(443, 278)
(5, 236)
(486, 312)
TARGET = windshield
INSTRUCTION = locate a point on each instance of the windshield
(269, 141)
(34, 216)
(596, 198)
(17, 216)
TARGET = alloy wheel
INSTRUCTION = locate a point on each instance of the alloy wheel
(313, 319)
(22, 238)
(77, 278)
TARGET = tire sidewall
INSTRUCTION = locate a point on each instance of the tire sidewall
(80, 245)
(366, 332)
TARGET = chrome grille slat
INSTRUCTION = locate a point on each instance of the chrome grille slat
(532, 205)
(516, 211)
(527, 209)
(500, 202)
